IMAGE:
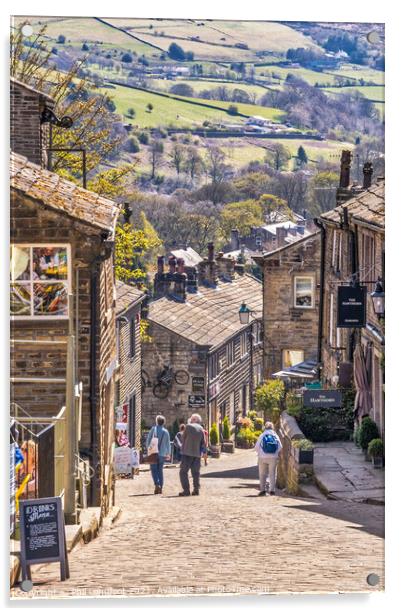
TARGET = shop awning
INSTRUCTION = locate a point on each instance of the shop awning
(305, 370)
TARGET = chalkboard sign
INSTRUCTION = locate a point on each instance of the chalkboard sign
(323, 398)
(196, 400)
(42, 535)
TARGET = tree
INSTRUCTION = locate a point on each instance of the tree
(302, 157)
(217, 169)
(85, 47)
(130, 244)
(323, 190)
(132, 145)
(154, 243)
(193, 163)
(277, 156)
(269, 397)
(241, 215)
(252, 185)
(275, 209)
(177, 155)
(131, 112)
(176, 52)
(143, 137)
(93, 126)
(112, 183)
(126, 58)
(156, 150)
(149, 107)
(182, 89)
(232, 110)
(61, 39)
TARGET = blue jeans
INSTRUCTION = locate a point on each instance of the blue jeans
(157, 472)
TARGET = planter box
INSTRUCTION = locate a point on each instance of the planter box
(215, 451)
(305, 456)
(227, 447)
(377, 462)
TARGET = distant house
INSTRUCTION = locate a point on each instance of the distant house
(200, 358)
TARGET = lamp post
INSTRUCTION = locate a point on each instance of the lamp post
(378, 299)
(244, 314)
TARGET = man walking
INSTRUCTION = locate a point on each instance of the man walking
(268, 447)
(193, 443)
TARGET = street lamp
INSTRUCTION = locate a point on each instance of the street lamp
(378, 299)
(244, 313)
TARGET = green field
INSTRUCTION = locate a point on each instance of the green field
(373, 93)
(307, 75)
(202, 84)
(355, 71)
(179, 113)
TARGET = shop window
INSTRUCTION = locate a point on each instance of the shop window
(244, 343)
(39, 281)
(292, 357)
(303, 292)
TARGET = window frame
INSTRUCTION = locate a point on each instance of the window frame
(230, 353)
(312, 279)
(67, 281)
(284, 367)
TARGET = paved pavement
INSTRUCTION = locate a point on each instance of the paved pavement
(343, 473)
(223, 541)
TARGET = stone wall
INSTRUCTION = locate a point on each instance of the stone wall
(290, 474)
(129, 384)
(285, 326)
(31, 222)
(28, 136)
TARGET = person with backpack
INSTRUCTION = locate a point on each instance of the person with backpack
(158, 444)
(268, 447)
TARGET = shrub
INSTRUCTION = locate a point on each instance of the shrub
(159, 179)
(127, 58)
(356, 437)
(214, 435)
(163, 133)
(303, 443)
(232, 110)
(131, 112)
(132, 145)
(149, 107)
(226, 429)
(367, 432)
(258, 423)
(61, 39)
(252, 415)
(323, 425)
(143, 137)
(376, 448)
(246, 438)
(269, 397)
(245, 422)
(293, 404)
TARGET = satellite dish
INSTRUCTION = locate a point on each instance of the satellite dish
(373, 37)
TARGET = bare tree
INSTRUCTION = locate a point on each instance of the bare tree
(177, 156)
(156, 150)
(194, 164)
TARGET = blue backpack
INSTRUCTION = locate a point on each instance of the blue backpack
(269, 443)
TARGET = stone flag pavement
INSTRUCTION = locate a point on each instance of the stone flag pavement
(222, 542)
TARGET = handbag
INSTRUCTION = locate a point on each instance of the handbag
(153, 449)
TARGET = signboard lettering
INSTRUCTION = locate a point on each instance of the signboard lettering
(351, 306)
(196, 400)
(322, 398)
(198, 384)
(122, 460)
(42, 534)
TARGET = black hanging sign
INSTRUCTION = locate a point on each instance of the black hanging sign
(196, 400)
(42, 535)
(351, 306)
(323, 398)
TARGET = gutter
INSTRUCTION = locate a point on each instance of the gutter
(318, 222)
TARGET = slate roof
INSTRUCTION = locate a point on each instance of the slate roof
(127, 296)
(30, 88)
(61, 195)
(259, 259)
(190, 256)
(368, 206)
(209, 317)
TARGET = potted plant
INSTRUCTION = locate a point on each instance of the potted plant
(227, 444)
(375, 451)
(214, 442)
(304, 450)
(367, 432)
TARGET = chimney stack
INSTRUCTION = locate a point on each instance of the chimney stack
(207, 268)
(225, 267)
(281, 234)
(160, 284)
(210, 251)
(367, 175)
(345, 169)
(160, 265)
(180, 282)
(234, 243)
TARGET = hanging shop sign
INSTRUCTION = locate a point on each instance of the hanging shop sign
(322, 398)
(351, 306)
(122, 460)
(196, 400)
(42, 535)
(198, 384)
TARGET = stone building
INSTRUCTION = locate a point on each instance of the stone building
(200, 358)
(62, 239)
(353, 238)
(291, 283)
(128, 374)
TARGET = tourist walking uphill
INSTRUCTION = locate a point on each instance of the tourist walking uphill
(193, 446)
(268, 447)
(158, 444)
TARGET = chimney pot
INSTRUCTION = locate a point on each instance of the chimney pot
(210, 251)
(172, 264)
(367, 175)
(345, 169)
(160, 265)
(181, 265)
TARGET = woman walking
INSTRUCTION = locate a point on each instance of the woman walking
(163, 446)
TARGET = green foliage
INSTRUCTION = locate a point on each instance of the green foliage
(131, 112)
(293, 403)
(176, 52)
(214, 435)
(302, 443)
(269, 397)
(376, 448)
(143, 137)
(130, 244)
(246, 438)
(324, 425)
(368, 432)
(245, 422)
(252, 415)
(232, 110)
(258, 423)
(149, 107)
(61, 39)
(132, 145)
(126, 58)
(241, 215)
(226, 428)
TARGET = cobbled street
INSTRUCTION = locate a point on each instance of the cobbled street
(223, 541)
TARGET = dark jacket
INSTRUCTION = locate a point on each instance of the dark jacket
(193, 440)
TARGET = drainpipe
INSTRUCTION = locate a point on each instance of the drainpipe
(93, 397)
(322, 228)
